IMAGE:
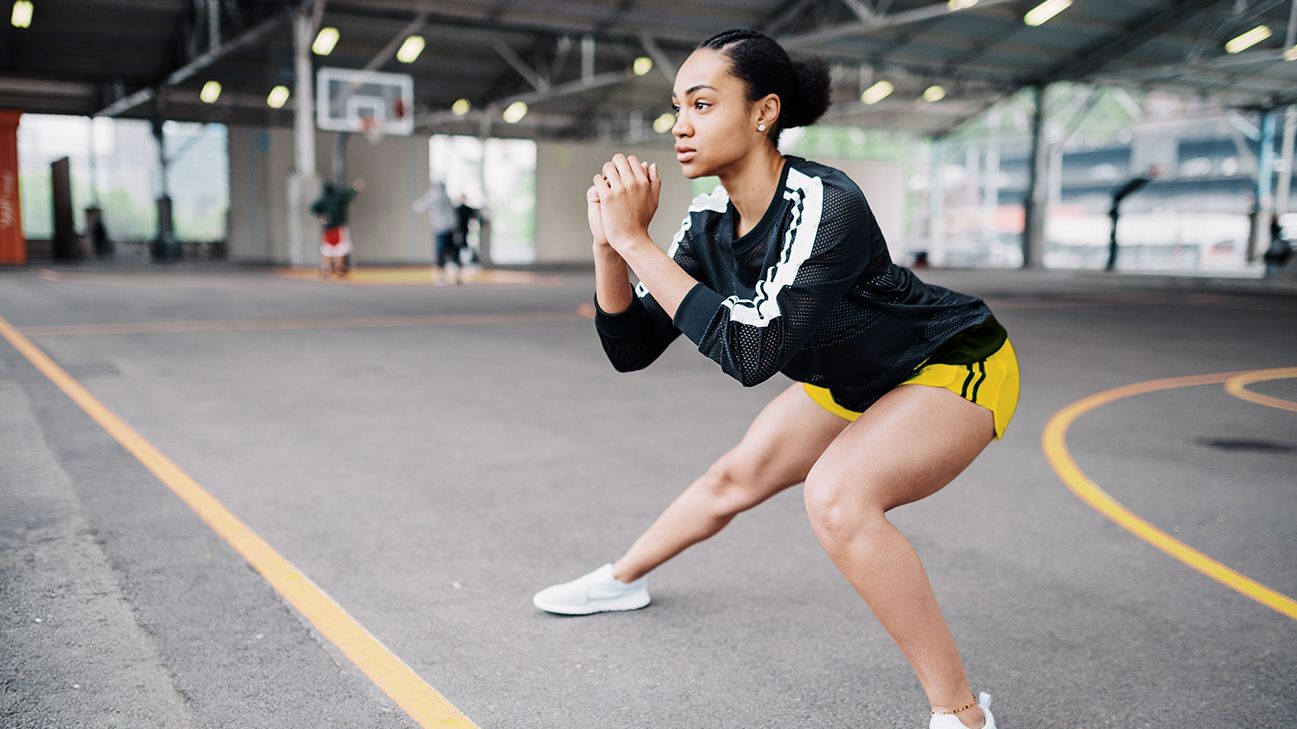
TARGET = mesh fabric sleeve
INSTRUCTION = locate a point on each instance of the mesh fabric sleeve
(635, 338)
(826, 247)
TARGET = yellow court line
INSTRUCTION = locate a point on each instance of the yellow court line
(1237, 386)
(1055, 446)
(427, 707)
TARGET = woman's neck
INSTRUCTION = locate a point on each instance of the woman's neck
(751, 184)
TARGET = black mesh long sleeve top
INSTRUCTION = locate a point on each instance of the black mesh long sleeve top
(811, 292)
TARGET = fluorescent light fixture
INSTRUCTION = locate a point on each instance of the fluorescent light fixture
(663, 123)
(642, 65)
(325, 40)
(1290, 54)
(877, 92)
(1044, 11)
(22, 14)
(1247, 40)
(516, 111)
(411, 49)
(211, 92)
(461, 107)
(933, 94)
(278, 97)
(960, 4)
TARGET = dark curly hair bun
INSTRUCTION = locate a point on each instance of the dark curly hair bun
(811, 93)
(765, 68)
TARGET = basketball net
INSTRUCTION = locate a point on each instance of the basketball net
(370, 128)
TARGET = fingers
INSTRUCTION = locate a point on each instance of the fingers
(623, 168)
(612, 176)
(623, 172)
(638, 169)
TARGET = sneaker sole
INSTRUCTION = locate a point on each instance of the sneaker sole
(615, 607)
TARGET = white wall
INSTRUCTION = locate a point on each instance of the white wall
(564, 172)
(396, 173)
(384, 230)
(884, 190)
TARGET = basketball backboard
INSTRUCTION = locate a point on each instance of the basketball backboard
(350, 100)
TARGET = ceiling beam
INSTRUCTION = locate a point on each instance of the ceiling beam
(1107, 50)
(182, 74)
(861, 27)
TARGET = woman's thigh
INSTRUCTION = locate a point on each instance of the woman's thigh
(905, 447)
(780, 446)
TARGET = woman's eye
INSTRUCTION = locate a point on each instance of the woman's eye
(701, 105)
(675, 108)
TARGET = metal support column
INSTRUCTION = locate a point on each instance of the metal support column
(163, 246)
(303, 184)
(1264, 208)
(1284, 188)
(1036, 204)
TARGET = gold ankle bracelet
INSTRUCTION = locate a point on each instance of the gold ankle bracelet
(956, 711)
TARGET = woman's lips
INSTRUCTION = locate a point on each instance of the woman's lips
(685, 155)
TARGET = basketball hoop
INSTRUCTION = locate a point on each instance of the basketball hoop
(370, 127)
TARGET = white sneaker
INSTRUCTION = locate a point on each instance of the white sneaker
(950, 721)
(595, 592)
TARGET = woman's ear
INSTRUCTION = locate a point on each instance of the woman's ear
(768, 111)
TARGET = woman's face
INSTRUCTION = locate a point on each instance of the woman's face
(715, 124)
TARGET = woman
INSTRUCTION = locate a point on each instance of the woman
(898, 384)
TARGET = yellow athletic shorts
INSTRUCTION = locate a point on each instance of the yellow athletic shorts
(991, 382)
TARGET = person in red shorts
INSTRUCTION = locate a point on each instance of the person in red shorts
(335, 240)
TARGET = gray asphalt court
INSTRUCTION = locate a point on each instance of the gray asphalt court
(428, 458)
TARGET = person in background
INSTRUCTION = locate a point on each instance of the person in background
(463, 214)
(437, 205)
(335, 244)
(1132, 186)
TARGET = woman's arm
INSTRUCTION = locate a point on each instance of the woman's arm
(633, 330)
(611, 280)
(751, 339)
(628, 198)
(659, 273)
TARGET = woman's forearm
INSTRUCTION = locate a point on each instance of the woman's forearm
(611, 280)
(663, 277)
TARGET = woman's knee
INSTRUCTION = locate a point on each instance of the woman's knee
(733, 485)
(839, 507)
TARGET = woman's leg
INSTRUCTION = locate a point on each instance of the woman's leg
(907, 446)
(777, 451)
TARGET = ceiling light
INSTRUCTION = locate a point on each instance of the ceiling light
(663, 123)
(1290, 54)
(278, 97)
(411, 49)
(933, 94)
(877, 92)
(325, 40)
(461, 107)
(960, 4)
(22, 14)
(642, 65)
(1248, 39)
(211, 92)
(1044, 11)
(516, 111)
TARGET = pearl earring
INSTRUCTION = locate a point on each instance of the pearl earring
(761, 127)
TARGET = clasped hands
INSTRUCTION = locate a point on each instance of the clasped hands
(621, 202)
